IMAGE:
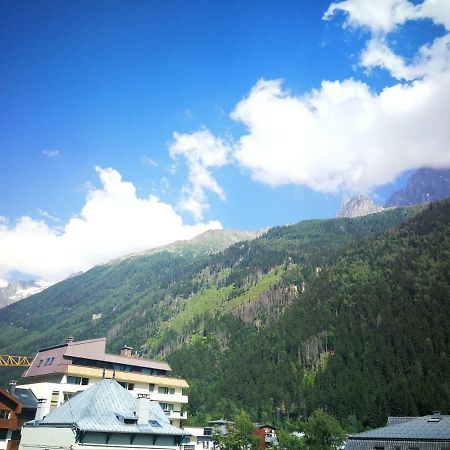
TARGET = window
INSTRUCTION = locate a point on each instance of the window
(49, 361)
(5, 414)
(3, 434)
(68, 395)
(73, 380)
(163, 390)
(172, 391)
(40, 363)
(154, 423)
(151, 387)
(130, 386)
(54, 400)
(77, 380)
(206, 444)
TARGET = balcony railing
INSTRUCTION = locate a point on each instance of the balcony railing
(176, 414)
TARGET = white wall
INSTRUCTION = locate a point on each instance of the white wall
(38, 438)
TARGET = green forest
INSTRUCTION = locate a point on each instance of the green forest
(348, 316)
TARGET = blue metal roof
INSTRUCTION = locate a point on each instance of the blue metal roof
(104, 406)
(435, 427)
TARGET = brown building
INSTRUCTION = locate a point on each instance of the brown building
(266, 435)
(16, 407)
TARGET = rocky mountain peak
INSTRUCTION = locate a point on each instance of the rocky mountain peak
(358, 206)
(425, 185)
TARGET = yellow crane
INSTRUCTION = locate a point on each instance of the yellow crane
(15, 361)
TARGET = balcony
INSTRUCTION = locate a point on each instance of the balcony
(176, 414)
(169, 398)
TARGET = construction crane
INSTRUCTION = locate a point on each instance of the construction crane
(15, 361)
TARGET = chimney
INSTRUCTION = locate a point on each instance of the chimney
(143, 409)
(12, 387)
(69, 340)
(126, 351)
(41, 410)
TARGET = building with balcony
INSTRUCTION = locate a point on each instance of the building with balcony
(16, 407)
(58, 372)
(103, 417)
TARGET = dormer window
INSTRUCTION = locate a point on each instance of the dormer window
(129, 420)
(49, 361)
(154, 423)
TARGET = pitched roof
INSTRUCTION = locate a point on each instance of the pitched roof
(26, 396)
(105, 407)
(435, 427)
(56, 358)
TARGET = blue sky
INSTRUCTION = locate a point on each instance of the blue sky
(91, 90)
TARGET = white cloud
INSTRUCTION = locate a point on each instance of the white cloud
(201, 151)
(113, 222)
(149, 161)
(344, 137)
(51, 153)
(377, 15)
(47, 215)
(382, 17)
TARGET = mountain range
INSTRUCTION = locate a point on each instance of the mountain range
(350, 315)
(424, 185)
(18, 290)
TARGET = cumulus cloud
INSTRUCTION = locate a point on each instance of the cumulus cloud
(343, 136)
(51, 153)
(113, 222)
(202, 151)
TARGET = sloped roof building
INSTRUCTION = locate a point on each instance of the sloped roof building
(405, 433)
(105, 416)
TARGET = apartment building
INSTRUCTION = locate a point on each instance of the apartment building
(103, 417)
(58, 372)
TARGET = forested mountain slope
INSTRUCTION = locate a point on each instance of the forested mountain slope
(297, 318)
(368, 338)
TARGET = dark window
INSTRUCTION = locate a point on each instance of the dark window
(85, 381)
(130, 386)
(154, 423)
(49, 361)
(40, 363)
(3, 433)
(151, 387)
(73, 380)
(5, 414)
(68, 395)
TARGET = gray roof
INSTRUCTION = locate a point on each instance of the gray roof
(26, 396)
(434, 427)
(103, 407)
(396, 420)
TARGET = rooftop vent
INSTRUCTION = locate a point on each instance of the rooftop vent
(436, 417)
(12, 387)
(126, 351)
